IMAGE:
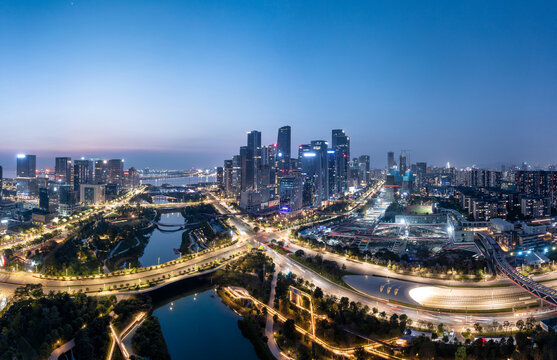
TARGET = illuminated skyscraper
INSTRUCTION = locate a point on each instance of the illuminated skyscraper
(284, 148)
(63, 170)
(83, 173)
(26, 166)
(341, 145)
(253, 159)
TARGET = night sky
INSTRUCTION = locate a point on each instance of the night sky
(176, 84)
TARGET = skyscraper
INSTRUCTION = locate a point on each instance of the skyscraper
(315, 172)
(254, 158)
(220, 178)
(341, 144)
(284, 148)
(227, 174)
(365, 168)
(1, 183)
(101, 172)
(115, 171)
(246, 166)
(63, 170)
(26, 166)
(44, 200)
(390, 160)
(82, 172)
(402, 164)
(331, 168)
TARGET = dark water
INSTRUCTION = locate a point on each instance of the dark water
(162, 244)
(201, 327)
(181, 181)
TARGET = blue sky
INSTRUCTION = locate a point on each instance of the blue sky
(178, 83)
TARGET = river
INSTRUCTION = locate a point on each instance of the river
(180, 181)
(162, 243)
(199, 327)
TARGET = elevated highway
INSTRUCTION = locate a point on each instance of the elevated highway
(535, 288)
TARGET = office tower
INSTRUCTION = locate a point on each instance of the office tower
(131, 178)
(67, 200)
(284, 148)
(115, 171)
(246, 166)
(365, 168)
(92, 194)
(354, 175)
(63, 170)
(26, 166)
(82, 172)
(290, 194)
(331, 169)
(316, 173)
(390, 160)
(341, 144)
(44, 200)
(101, 172)
(220, 178)
(421, 169)
(236, 175)
(402, 165)
(227, 174)
(254, 158)
(1, 183)
(302, 149)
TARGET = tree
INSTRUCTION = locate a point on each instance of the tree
(289, 330)
(478, 328)
(299, 253)
(318, 293)
(520, 324)
(460, 353)
(360, 353)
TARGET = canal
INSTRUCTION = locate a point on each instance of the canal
(198, 326)
(160, 248)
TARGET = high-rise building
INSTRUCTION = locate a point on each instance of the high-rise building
(44, 199)
(101, 172)
(82, 172)
(316, 173)
(284, 148)
(390, 160)
(540, 183)
(26, 166)
(402, 165)
(220, 177)
(1, 183)
(253, 161)
(115, 171)
(236, 175)
(246, 166)
(92, 194)
(131, 178)
(331, 168)
(67, 200)
(341, 144)
(227, 174)
(63, 170)
(365, 169)
(290, 194)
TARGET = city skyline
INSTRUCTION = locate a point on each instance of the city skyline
(178, 84)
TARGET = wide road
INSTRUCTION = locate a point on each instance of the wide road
(109, 284)
(457, 321)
